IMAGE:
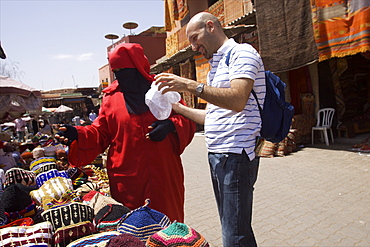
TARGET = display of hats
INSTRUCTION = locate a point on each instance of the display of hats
(108, 217)
(61, 154)
(69, 196)
(99, 173)
(78, 176)
(28, 211)
(27, 155)
(46, 167)
(43, 164)
(67, 234)
(46, 141)
(50, 150)
(177, 234)
(54, 214)
(20, 222)
(68, 214)
(54, 187)
(3, 217)
(99, 201)
(90, 195)
(125, 239)
(94, 240)
(38, 152)
(17, 158)
(88, 170)
(143, 222)
(62, 165)
(41, 178)
(40, 234)
(86, 188)
(18, 175)
(16, 197)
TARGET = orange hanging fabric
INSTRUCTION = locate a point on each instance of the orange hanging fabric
(341, 27)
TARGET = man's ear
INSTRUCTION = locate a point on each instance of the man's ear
(210, 26)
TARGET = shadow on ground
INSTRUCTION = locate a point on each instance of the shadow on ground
(340, 143)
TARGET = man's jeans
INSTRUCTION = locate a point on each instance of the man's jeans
(233, 178)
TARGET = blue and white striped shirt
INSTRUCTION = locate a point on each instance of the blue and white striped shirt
(228, 131)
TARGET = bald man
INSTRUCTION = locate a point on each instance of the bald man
(231, 121)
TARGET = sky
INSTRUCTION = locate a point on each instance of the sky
(61, 44)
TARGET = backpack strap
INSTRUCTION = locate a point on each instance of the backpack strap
(258, 103)
(227, 61)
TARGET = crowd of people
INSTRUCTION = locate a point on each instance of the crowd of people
(18, 153)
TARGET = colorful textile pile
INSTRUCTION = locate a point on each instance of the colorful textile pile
(125, 239)
(177, 234)
(341, 27)
(52, 173)
(108, 218)
(55, 213)
(54, 187)
(66, 234)
(143, 222)
(97, 239)
(19, 175)
(69, 214)
(268, 149)
(43, 164)
(40, 234)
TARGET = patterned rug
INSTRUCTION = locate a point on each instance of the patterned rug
(341, 27)
(285, 34)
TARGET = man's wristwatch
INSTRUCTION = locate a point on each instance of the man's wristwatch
(199, 89)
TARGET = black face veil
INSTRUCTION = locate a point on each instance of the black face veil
(134, 87)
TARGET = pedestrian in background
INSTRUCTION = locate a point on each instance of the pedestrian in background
(46, 128)
(92, 116)
(35, 126)
(231, 121)
(76, 120)
(6, 156)
(20, 127)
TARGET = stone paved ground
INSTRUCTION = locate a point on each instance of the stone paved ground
(317, 196)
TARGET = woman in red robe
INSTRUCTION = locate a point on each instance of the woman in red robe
(143, 159)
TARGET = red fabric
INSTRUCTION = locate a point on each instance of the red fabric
(130, 55)
(20, 222)
(300, 83)
(65, 235)
(138, 168)
(90, 195)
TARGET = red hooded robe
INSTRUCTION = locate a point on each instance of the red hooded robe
(138, 168)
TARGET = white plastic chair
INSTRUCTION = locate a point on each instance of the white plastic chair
(324, 122)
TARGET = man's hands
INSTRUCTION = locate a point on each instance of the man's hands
(66, 134)
(176, 83)
(160, 130)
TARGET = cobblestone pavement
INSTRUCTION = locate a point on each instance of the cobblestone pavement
(317, 196)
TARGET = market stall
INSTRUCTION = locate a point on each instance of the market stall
(16, 99)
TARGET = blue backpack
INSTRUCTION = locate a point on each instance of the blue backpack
(277, 114)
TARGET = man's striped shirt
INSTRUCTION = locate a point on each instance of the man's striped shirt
(228, 131)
